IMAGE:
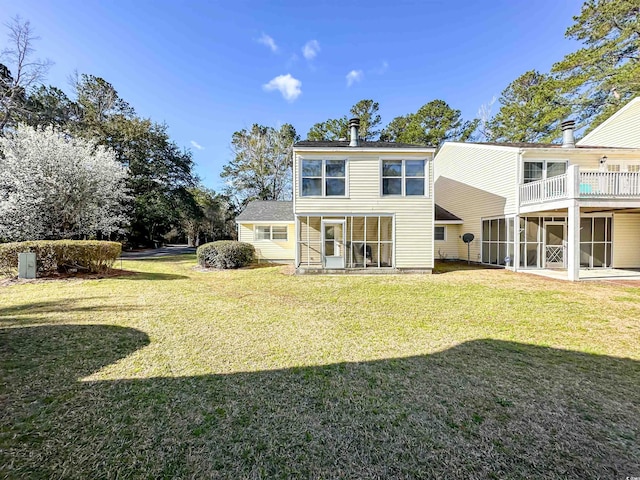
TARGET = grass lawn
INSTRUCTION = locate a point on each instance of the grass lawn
(177, 373)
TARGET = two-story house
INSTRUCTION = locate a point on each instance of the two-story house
(541, 206)
(363, 205)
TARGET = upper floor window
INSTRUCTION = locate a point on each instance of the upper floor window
(403, 177)
(326, 178)
(543, 169)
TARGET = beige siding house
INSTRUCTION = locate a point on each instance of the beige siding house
(540, 206)
(622, 129)
(363, 205)
(447, 235)
(269, 227)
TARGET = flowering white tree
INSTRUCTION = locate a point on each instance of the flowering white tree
(53, 186)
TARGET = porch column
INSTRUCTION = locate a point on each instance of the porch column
(296, 226)
(573, 241)
(516, 243)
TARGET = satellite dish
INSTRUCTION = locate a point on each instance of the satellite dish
(468, 238)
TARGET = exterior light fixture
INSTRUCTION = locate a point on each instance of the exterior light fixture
(603, 160)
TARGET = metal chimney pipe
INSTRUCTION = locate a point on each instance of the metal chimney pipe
(568, 138)
(354, 126)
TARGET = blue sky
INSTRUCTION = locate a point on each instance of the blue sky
(210, 68)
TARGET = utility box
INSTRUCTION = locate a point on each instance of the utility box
(26, 265)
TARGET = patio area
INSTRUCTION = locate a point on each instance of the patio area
(589, 274)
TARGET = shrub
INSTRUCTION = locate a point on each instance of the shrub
(225, 254)
(54, 256)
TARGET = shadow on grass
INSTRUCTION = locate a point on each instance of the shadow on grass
(444, 266)
(183, 257)
(482, 409)
(35, 312)
(132, 275)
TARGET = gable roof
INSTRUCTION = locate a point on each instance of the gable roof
(442, 215)
(621, 129)
(267, 211)
(362, 144)
(529, 145)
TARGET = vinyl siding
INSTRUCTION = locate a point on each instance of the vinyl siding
(587, 161)
(620, 130)
(474, 183)
(269, 249)
(626, 232)
(449, 248)
(413, 215)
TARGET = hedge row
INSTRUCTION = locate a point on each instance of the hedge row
(54, 256)
(225, 254)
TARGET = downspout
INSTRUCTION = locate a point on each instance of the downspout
(516, 221)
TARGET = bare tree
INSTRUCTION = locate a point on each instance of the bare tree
(27, 71)
(484, 115)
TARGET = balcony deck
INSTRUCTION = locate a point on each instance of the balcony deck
(588, 185)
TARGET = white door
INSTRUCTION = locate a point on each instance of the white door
(333, 243)
(555, 244)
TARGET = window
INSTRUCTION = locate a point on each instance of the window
(369, 240)
(403, 177)
(270, 232)
(543, 169)
(533, 171)
(279, 232)
(440, 234)
(633, 168)
(324, 178)
(498, 241)
(595, 242)
(262, 233)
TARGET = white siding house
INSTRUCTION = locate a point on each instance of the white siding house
(536, 206)
(622, 129)
(363, 205)
(269, 227)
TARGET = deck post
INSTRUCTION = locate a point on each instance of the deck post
(573, 241)
(573, 181)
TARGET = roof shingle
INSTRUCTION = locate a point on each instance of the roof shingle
(267, 211)
(442, 215)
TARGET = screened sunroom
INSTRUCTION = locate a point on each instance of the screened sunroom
(345, 241)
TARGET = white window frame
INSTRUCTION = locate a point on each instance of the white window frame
(403, 177)
(270, 239)
(444, 233)
(544, 166)
(324, 177)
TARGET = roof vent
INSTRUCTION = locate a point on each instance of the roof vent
(568, 138)
(354, 126)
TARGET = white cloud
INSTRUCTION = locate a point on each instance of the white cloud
(269, 42)
(288, 86)
(383, 68)
(311, 49)
(354, 76)
(196, 145)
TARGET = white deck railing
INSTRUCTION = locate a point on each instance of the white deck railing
(543, 190)
(587, 185)
(609, 184)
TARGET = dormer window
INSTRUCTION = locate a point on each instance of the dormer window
(324, 178)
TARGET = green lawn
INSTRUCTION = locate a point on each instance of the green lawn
(178, 373)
